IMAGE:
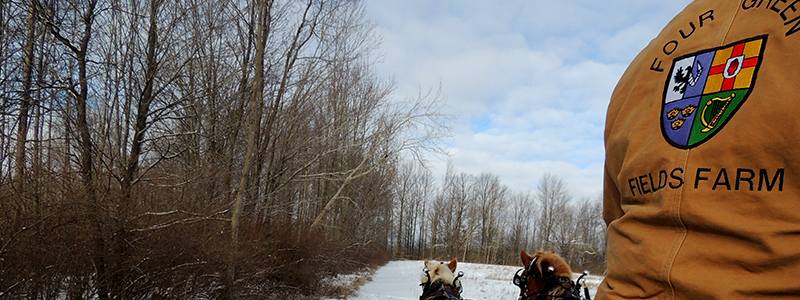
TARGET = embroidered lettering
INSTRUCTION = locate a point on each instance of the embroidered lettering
(671, 46)
(679, 178)
(764, 178)
(748, 179)
(789, 18)
(698, 177)
(745, 180)
(722, 179)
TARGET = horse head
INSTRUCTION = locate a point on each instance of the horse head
(439, 281)
(547, 273)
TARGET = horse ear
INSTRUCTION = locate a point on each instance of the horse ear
(552, 251)
(426, 263)
(525, 258)
(452, 265)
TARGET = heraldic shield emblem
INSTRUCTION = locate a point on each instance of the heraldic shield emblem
(706, 88)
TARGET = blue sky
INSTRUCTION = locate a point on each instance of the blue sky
(527, 80)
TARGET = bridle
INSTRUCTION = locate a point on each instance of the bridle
(440, 290)
(521, 280)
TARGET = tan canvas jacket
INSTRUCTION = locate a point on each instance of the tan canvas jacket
(702, 173)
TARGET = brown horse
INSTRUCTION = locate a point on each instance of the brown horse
(546, 276)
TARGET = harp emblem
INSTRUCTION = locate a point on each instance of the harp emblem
(710, 117)
(705, 89)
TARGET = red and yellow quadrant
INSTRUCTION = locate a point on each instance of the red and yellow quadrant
(717, 80)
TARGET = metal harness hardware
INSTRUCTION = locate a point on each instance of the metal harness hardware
(521, 280)
(439, 290)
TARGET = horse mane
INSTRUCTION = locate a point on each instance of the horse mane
(540, 275)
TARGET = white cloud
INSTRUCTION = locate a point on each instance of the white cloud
(529, 81)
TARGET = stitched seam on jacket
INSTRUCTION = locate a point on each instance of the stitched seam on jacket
(678, 198)
(730, 24)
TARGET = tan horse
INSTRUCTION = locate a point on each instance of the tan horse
(439, 271)
(440, 282)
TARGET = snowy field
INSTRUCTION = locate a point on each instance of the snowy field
(401, 279)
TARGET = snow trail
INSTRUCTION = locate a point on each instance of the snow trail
(399, 280)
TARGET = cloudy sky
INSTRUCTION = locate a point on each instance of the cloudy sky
(528, 80)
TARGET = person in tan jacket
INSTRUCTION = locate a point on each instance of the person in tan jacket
(701, 191)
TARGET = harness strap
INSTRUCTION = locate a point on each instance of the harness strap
(522, 280)
(440, 291)
(564, 282)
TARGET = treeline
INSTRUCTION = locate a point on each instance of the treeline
(478, 219)
(195, 149)
(230, 150)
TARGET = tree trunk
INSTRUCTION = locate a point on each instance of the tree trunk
(27, 100)
(256, 102)
(131, 168)
(85, 142)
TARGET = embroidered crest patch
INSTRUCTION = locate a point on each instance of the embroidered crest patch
(706, 88)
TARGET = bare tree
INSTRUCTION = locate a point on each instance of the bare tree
(455, 192)
(78, 89)
(587, 240)
(522, 217)
(254, 112)
(553, 197)
(437, 226)
(413, 128)
(490, 197)
(402, 195)
(412, 190)
(26, 100)
(185, 149)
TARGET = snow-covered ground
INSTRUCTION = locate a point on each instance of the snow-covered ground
(401, 279)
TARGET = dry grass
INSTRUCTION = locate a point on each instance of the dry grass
(346, 286)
